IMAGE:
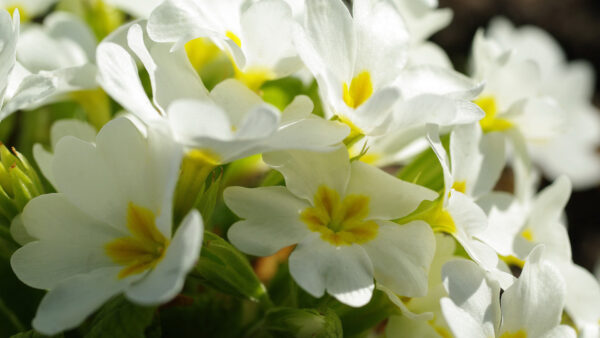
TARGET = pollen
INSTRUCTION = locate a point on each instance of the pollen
(490, 122)
(144, 248)
(359, 91)
(340, 222)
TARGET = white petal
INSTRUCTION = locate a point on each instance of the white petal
(69, 303)
(118, 76)
(526, 305)
(461, 323)
(166, 280)
(18, 231)
(312, 133)
(401, 256)
(272, 219)
(191, 119)
(542, 119)
(561, 331)
(236, 99)
(306, 171)
(9, 32)
(345, 271)
(420, 80)
(473, 292)
(583, 294)
(389, 197)
(259, 123)
(171, 73)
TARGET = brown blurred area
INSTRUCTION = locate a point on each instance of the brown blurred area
(576, 26)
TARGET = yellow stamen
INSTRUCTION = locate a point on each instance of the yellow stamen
(460, 186)
(440, 219)
(490, 122)
(144, 248)
(200, 52)
(527, 234)
(518, 334)
(513, 261)
(340, 222)
(360, 90)
(254, 77)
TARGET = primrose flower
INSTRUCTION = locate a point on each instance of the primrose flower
(9, 33)
(512, 99)
(361, 66)
(572, 153)
(229, 123)
(107, 231)
(517, 225)
(474, 307)
(456, 213)
(257, 34)
(338, 213)
(54, 60)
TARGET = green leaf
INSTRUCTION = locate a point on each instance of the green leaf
(207, 201)
(425, 170)
(224, 268)
(288, 322)
(33, 334)
(120, 319)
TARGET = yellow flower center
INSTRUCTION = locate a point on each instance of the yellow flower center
(144, 248)
(359, 91)
(254, 77)
(200, 52)
(440, 219)
(513, 261)
(518, 334)
(460, 186)
(23, 15)
(340, 222)
(490, 122)
(527, 234)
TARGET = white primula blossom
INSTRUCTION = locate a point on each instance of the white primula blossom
(516, 226)
(9, 33)
(54, 59)
(531, 307)
(457, 213)
(108, 229)
(28, 9)
(137, 8)
(228, 123)
(512, 99)
(257, 34)
(573, 153)
(339, 214)
(362, 72)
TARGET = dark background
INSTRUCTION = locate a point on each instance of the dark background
(576, 26)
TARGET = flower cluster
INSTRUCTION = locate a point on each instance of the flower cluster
(289, 168)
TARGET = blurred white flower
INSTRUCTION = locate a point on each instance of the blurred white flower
(574, 152)
(338, 213)
(474, 307)
(228, 123)
(108, 229)
(256, 34)
(28, 9)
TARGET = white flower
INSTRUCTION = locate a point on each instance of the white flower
(456, 213)
(531, 307)
(54, 59)
(517, 225)
(360, 64)
(9, 32)
(572, 84)
(228, 123)
(338, 213)
(257, 34)
(108, 229)
(137, 8)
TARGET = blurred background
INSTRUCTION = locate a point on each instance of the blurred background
(576, 26)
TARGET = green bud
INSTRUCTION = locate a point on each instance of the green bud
(288, 322)
(19, 182)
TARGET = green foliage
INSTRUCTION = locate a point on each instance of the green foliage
(224, 268)
(425, 169)
(289, 322)
(120, 319)
(33, 334)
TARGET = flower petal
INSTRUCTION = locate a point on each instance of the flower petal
(272, 219)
